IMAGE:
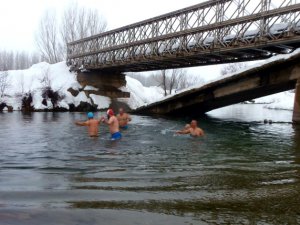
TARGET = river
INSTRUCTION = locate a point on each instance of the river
(242, 172)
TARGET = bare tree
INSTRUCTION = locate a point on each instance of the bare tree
(233, 68)
(47, 38)
(22, 60)
(5, 61)
(188, 81)
(34, 58)
(76, 23)
(46, 79)
(162, 81)
(4, 83)
(176, 78)
(146, 80)
(16, 60)
(171, 80)
(80, 22)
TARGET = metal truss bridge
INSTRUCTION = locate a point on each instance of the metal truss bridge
(213, 32)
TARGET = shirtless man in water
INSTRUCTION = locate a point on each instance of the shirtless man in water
(113, 125)
(92, 124)
(193, 130)
(123, 119)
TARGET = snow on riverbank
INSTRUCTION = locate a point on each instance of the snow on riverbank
(57, 76)
(34, 80)
(140, 95)
(284, 100)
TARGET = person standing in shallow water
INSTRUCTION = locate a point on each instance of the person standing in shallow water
(92, 124)
(113, 125)
(193, 130)
(123, 119)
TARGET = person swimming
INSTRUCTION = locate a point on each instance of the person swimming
(92, 124)
(123, 118)
(113, 125)
(193, 130)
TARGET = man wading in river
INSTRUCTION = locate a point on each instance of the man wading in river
(92, 124)
(193, 130)
(123, 119)
(113, 125)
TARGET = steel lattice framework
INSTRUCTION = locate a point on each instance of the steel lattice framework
(213, 32)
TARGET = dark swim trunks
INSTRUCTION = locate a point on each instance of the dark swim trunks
(116, 136)
(124, 127)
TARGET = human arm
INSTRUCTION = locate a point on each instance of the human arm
(107, 121)
(101, 120)
(86, 123)
(184, 131)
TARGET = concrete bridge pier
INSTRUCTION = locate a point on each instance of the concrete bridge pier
(107, 84)
(296, 113)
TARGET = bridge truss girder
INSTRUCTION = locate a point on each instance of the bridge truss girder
(204, 34)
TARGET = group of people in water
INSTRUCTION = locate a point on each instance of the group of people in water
(120, 121)
(114, 122)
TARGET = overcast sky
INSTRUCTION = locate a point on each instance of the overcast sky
(19, 18)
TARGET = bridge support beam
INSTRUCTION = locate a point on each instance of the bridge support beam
(108, 84)
(296, 113)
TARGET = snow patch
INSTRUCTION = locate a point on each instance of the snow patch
(284, 100)
(60, 79)
(90, 88)
(140, 95)
(101, 101)
(81, 97)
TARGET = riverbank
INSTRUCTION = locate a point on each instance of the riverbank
(45, 87)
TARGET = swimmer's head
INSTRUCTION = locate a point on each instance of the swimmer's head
(90, 115)
(194, 124)
(110, 112)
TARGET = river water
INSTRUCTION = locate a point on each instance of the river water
(241, 172)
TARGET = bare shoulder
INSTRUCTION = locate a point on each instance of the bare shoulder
(97, 121)
(114, 118)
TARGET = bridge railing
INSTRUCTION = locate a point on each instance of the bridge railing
(213, 25)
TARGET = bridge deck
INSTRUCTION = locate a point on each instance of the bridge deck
(214, 32)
